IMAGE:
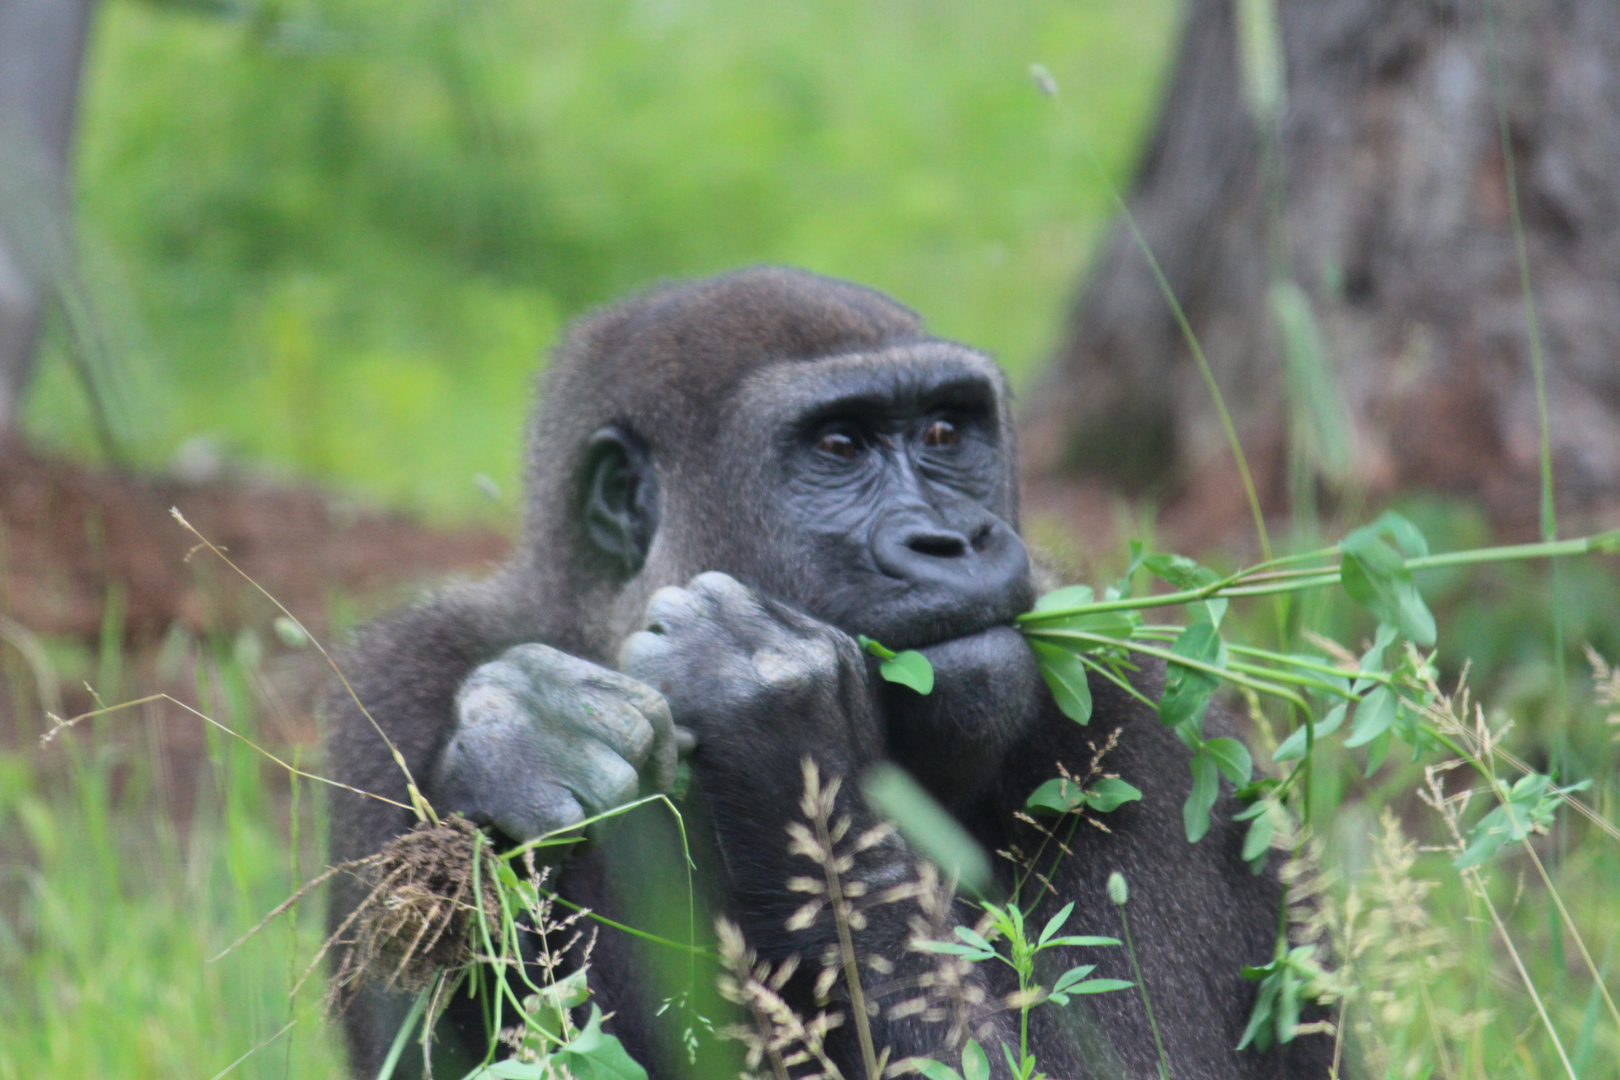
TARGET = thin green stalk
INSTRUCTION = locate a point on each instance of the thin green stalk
(1254, 684)
(1197, 350)
(695, 950)
(1605, 542)
(1549, 514)
(1575, 934)
(404, 1036)
(1123, 684)
(1524, 976)
(1141, 986)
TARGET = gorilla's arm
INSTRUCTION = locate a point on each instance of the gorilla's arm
(763, 687)
(492, 725)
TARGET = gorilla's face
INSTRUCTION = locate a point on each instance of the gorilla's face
(887, 490)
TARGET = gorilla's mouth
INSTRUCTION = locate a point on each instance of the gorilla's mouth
(918, 620)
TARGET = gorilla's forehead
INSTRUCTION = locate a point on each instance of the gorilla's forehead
(902, 378)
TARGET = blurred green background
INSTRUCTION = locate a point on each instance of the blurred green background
(334, 237)
(332, 240)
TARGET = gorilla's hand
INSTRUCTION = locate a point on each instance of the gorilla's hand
(544, 739)
(759, 684)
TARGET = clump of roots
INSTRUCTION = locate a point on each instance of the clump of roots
(420, 914)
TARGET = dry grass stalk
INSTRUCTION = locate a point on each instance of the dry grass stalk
(1606, 688)
(780, 1041)
(1393, 955)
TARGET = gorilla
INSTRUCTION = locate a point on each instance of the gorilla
(728, 481)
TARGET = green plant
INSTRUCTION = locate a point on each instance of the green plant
(1006, 924)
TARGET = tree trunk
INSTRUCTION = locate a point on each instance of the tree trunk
(41, 48)
(1383, 244)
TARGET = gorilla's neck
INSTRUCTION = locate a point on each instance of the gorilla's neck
(987, 695)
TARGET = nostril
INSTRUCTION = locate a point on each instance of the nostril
(938, 545)
(981, 537)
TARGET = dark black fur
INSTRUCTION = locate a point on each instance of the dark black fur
(677, 434)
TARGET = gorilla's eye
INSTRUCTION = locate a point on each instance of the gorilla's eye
(941, 433)
(839, 444)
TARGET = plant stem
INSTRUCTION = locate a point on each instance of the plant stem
(1501, 930)
(1166, 655)
(1575, 934)
(1141, 986)
(1268, 585)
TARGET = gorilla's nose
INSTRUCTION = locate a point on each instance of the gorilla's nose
(980, 559)
(937, 543)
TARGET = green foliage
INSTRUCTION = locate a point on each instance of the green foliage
(1527, 807)
(908, 668)
(1284, 985)
(335, 235)
(119, 883)
(1394, 694)
(1062, 795)
(1006, 924)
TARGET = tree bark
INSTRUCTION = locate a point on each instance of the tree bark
(41, 50)
(1389, 219)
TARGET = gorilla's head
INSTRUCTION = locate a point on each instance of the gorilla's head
(800, 433)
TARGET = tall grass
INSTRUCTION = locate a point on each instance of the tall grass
(113, 899)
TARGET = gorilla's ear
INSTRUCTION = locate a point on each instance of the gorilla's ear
(621, 497)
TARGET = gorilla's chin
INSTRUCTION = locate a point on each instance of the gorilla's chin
(955, 738)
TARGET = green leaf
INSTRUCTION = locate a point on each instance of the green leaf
(1178, 570)
(1072, 976)
(951, 948)
(1259, 1028)
(1375, 714)
(1406, 535)
(972, 937)
(1373, 659)
(1529, 806)
(1257, 841)
(1065, 674)
(1187, 691)
(1206, 786)
(1055, 923)
(936, 1070)
(1110, 793)
(595, 1055)
(1375, 576)
(1057, 795)
(1233, 759)
(1012, 1063)
(1099, 986)
(1377, 750)
(975, 1066)
(514, 1070)
(1071, 596)
(1294, 746)
(909, 668)
(1083, 941)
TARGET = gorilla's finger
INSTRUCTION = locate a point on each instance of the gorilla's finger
(670, 606)
(686, 740)
(646, 657)
(547, 808)
(659, 768)
(599, 778)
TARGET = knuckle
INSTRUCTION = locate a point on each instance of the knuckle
(669, 604)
